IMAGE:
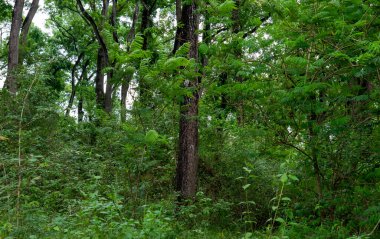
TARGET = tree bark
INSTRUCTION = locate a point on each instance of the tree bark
(25, 29)
(13, 54)
(187, 164)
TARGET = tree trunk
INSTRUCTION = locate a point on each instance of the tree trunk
(108, 94)
(25, 29)
(13, 54)
(128, 78)
(187, 165)
(73, 84)
(145, 95)
(102, 57)
(145, 23)
(102, 62)
(80, 109)
(84, 77)
(124, 92)
(314, 156)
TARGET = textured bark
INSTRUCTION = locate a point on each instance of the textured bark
(25, 28)
(13, 54)
(187, 164)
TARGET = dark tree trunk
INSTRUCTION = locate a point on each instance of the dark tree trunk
(102, 62)
(73, 84)
(178, 10)
(187, 165)
(145, 22)
(145, 95)
(109, 91)
(113, 21)
(102, 58)
(25, 28)
(13, 54)
(80, 109)
(131, 33)
(314, 156)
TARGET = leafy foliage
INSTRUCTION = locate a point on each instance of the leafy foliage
(289, 133)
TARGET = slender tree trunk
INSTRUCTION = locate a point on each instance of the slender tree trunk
(80, 109)
(102, 62)
(128, 78)
(13, 54)
(314, 155)
(145, 96)
(108, 94)
(102, 57)
(84, 77)
(25, 29)
(73, 84)
(187, 164)
(145, 22)
(131, 33)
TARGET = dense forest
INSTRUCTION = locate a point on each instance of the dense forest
(190, 119)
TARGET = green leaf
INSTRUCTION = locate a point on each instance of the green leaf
(226, 7)
(175, 62)
(292, 177)
(151, 136)
(284, 178)
(280, 220)
(246, 186)
(137, 43)
(183, 50)
(203, 49)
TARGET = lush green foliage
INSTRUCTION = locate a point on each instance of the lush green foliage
(289, 124)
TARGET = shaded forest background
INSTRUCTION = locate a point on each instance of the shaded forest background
(190, 119)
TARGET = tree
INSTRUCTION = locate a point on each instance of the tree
(13, 54)
(187, 163)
